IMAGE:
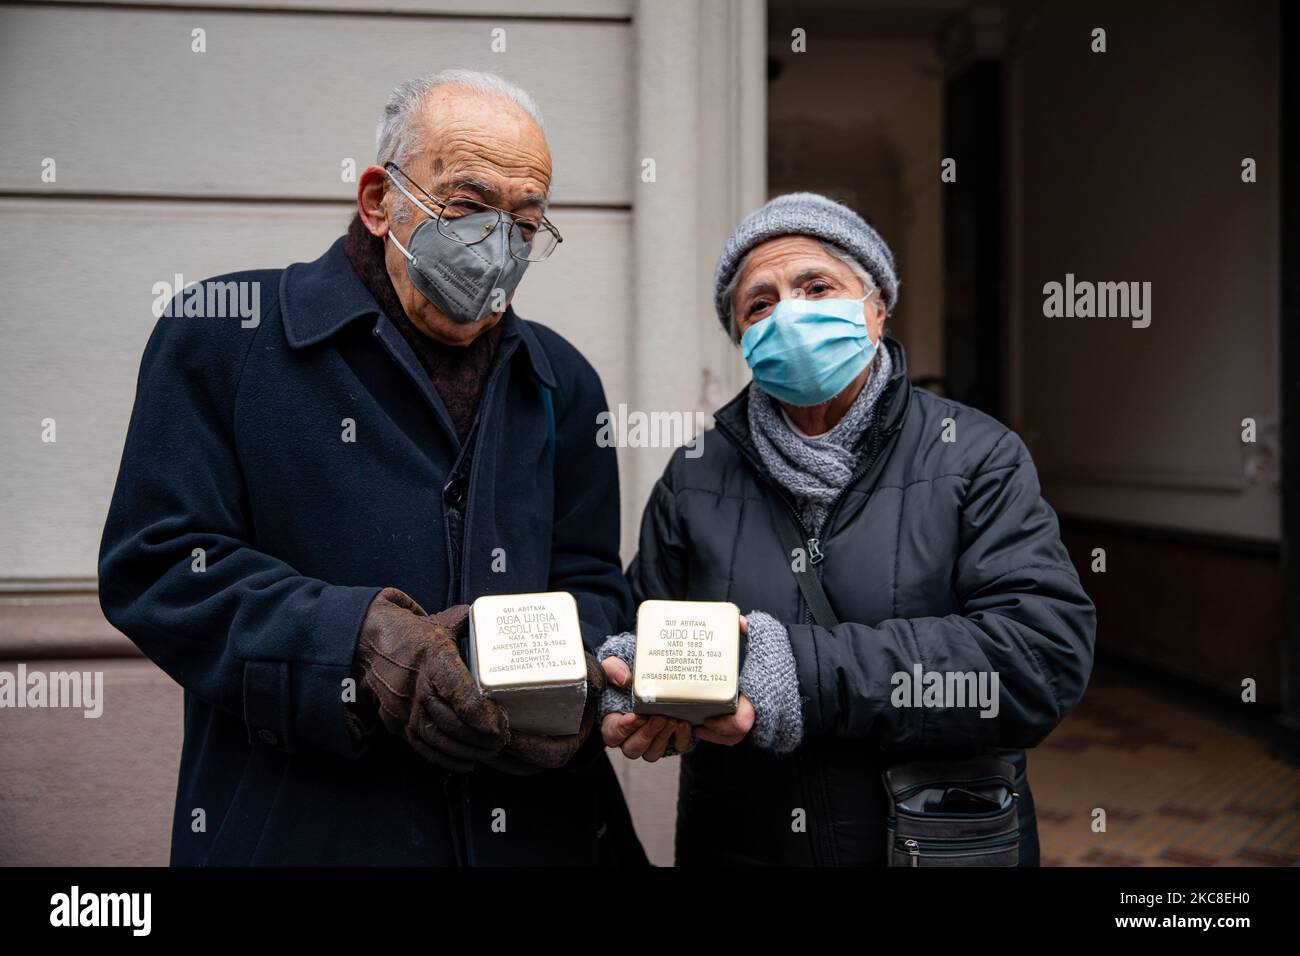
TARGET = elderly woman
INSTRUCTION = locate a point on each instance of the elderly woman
(923, 523)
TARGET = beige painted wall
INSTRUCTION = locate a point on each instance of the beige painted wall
(158, 149)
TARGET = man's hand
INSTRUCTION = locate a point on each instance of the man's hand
(411, 671)
(638, 735)
(526, 754)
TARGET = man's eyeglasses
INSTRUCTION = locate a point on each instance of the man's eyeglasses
(469, 221)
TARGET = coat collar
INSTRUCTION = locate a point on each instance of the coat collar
(319, 298)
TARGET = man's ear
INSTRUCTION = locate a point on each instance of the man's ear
(371, 188)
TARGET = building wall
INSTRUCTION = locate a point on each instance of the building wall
(1127, 166)
(170, 161)
(861, 120)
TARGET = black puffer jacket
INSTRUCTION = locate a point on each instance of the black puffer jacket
(941, 553)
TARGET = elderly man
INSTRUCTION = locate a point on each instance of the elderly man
(390, 438)
(879, 534)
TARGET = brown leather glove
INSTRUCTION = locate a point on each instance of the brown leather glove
(526, 754)
(411, 672)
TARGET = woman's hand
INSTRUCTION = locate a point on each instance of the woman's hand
(639, 735)
(730, 729)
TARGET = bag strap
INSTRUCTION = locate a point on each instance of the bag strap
(810, 584)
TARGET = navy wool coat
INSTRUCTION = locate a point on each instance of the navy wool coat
(247, 536)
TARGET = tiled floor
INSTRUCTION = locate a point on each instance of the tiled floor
(1177, 788)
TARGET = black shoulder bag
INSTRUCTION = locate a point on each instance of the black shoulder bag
(957, 811)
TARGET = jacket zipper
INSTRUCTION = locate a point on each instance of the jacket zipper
(815, 554)
(815, 557)
(876, 439)
(985, 815)
(915, 848)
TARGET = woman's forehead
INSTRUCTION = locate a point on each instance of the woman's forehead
(789, 255)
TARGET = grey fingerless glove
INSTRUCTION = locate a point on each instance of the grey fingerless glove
(770, 681)
(617, 700)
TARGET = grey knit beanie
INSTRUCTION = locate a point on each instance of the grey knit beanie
(807, 214)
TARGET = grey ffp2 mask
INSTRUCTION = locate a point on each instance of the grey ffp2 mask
(462, 280)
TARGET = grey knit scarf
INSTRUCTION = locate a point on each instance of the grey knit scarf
(815, 470)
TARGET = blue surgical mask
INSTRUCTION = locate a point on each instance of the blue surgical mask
(809, 350)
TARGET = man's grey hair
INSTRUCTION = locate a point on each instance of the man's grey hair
(397, 135)
(395, 138)
(868, 283)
